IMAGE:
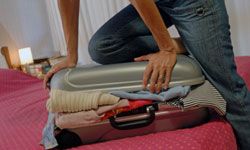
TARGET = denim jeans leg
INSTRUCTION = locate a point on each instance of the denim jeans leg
(205, 31)
(122, 38)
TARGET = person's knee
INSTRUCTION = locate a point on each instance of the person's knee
(96, 50)
(103, 50)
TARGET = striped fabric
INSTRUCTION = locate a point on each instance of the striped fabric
(76, 101)
(206, 96)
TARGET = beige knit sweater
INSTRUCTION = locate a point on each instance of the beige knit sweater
(75, 101)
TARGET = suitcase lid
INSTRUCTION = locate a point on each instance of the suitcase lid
(123, 76)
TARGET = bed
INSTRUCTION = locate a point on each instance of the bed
(23, 116)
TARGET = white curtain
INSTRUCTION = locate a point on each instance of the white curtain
(93, 13)
(27, 24)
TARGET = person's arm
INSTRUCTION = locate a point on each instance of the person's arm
(152, 18)
(178, 45)
(161, 63)
(69, 10)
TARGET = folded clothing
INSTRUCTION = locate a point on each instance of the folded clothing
(178, 91)
(76, 101)
(132, 105)
(48, 139)
(85, 118)
(205, 95)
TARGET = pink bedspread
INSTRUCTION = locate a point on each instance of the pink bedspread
(23, 115)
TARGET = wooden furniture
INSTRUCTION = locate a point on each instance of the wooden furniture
(5, 52)
(38, 68)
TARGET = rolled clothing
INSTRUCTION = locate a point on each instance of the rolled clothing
(76, 101)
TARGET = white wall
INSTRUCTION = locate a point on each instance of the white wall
(5, 40)
(239, 15)
(26, 21)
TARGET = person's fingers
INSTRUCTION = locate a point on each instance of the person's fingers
(142, 58)
(48, 76)
(146, 75)
(45, 80)
(153, 79)
(160, 79)
(56, 68)
(168, 77)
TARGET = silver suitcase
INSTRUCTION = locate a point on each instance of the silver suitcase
(128, 77)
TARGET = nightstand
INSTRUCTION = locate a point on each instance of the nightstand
(39, 68)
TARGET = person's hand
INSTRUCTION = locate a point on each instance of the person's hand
(158, 70)
(57, 67)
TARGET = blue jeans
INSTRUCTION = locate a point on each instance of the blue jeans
(204, 28)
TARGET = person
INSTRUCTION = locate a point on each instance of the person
(139, 33)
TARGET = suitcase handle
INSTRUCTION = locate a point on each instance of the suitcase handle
(135, 123)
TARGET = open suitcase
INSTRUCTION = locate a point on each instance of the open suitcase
(128, 77)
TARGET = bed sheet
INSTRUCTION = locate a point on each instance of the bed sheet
(23, 116)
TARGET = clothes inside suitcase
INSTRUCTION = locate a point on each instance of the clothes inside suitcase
(159, 116)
